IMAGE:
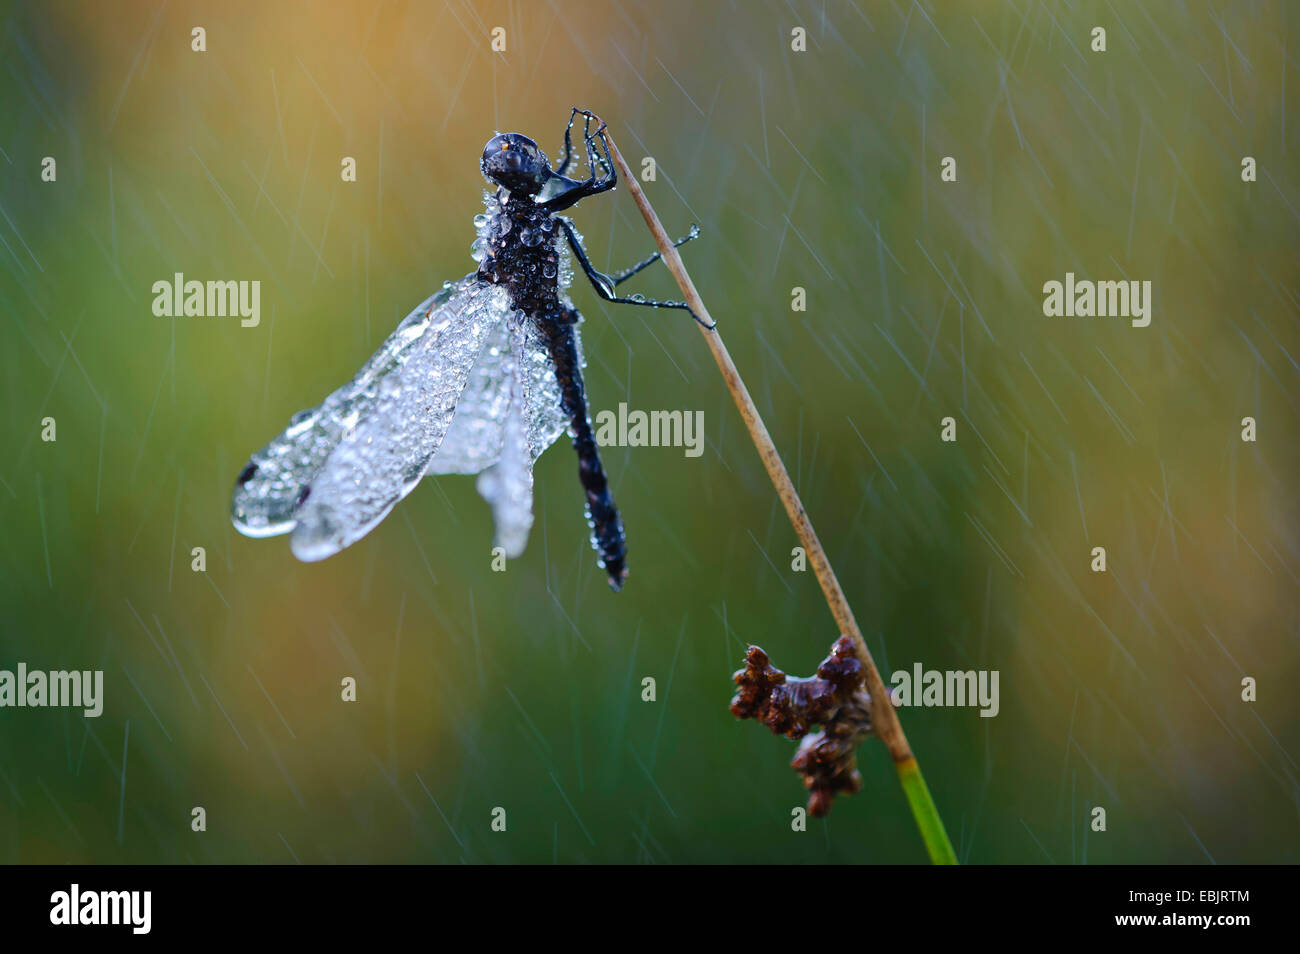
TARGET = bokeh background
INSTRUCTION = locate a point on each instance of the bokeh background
(522, 689)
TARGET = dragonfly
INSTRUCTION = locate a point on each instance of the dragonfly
(479, 379)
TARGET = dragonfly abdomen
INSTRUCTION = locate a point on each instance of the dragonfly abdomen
(606, 526)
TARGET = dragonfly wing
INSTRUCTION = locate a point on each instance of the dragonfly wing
(381, 459)
(267, 493)
(477, 433)
(474, 440)
(544, 417)
(510, 412)
(294, 482)
(507, 485)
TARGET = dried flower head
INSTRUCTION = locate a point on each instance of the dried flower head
(836, 699)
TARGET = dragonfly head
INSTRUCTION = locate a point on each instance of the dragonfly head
(515, 163)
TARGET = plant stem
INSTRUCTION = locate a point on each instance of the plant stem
(884, 717)
(925, 813)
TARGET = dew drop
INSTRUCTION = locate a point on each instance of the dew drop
(300, 422)
(530, 237)
(549, 269)
(480, 220)
(477, 249)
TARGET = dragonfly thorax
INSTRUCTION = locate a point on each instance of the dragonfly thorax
(516, 247)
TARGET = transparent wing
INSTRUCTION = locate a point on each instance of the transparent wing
(339, 468)
(477, 433)
(382, 458)
(474, 439)
(507, 485)
(544, 416)
(509, 413)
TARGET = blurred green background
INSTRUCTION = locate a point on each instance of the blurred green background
(817, 169)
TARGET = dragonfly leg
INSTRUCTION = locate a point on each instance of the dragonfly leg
(604, 284)
(594, 157)
(568, 142)
(571, 191)
(619, 278)
(606, 163)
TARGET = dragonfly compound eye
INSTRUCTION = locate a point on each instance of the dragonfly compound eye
(515, 162)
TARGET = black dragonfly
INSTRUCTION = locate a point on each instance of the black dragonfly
(480, 378)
